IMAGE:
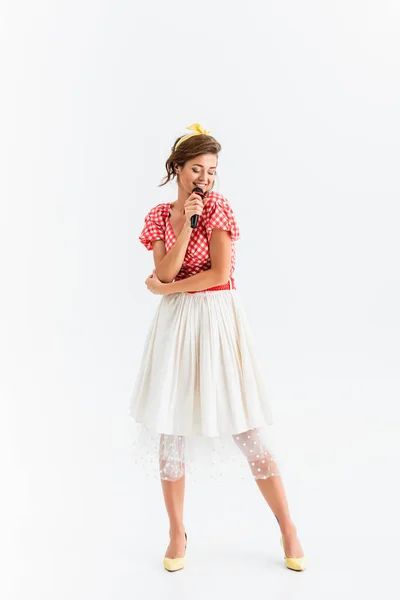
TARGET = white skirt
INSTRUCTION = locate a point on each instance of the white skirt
(199, 399)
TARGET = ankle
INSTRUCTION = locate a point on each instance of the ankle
(287, 527)
(176, 530)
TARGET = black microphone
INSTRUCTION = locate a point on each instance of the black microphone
(194, 219)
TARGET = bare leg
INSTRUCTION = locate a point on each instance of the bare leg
(172, 472)
(268, 478)
(274, 493)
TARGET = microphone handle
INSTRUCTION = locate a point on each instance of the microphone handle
(194, 219)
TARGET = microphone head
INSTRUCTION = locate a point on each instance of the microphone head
(199, 191)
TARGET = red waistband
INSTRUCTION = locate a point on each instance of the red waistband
(225, 286)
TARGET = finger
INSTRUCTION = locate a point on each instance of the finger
(195, 204)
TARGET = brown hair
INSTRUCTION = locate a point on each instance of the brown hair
(187, 150)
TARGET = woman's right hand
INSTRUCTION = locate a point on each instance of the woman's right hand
(193, 206)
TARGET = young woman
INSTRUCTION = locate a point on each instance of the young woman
(198, 382)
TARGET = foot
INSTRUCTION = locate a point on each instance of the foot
(177, 545)
(291, 544)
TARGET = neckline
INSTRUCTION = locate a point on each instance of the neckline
(168, 208)
(168, 205)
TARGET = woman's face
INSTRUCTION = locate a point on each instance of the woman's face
(197, 172)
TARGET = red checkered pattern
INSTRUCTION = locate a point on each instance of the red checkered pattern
(217, 214)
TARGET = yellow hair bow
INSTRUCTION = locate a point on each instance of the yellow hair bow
(197, 129)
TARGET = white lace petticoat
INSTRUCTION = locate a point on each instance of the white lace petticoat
(199, 405)
(169, 457)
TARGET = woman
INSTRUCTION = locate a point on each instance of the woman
(198, 382)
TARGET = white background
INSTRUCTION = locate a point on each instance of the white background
(304, 98)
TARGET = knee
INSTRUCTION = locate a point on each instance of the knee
(171, 457)
(248, 441)
(258, 453)
(264, 467)
(171, 470)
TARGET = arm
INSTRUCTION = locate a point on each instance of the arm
(218, 274)
(168, 264)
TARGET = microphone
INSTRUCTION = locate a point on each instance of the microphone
(194, 219)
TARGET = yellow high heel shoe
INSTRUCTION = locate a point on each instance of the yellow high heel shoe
(296, 564)
(175, 564)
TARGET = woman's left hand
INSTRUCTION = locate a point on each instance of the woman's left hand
(155, 285)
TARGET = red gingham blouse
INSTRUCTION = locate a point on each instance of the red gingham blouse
(217, 214)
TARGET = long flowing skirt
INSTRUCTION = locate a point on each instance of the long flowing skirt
(199, 404)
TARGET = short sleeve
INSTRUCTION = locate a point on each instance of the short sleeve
(221, 217)
(154, 228)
